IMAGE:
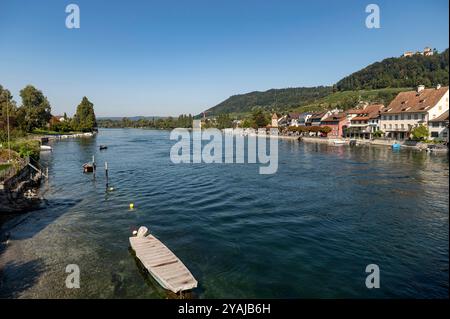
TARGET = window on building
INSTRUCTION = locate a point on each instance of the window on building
(434, 134)
(396, 117)
(416, 116)
(423, 117)
(390, 118)
(409, 116)
(435, 124)
(402, 117)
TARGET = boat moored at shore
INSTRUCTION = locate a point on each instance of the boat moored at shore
(166, 268)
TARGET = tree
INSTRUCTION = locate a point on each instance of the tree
(6, 100)
(420, 133)
(84, 119)
(378, 134)
(400, 72)
(259, 118)
(325, 130)
(247, 123)
(224, 121)
(314, 129)
(61, 127)
(35, 110)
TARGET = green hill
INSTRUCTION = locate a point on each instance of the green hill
(274, 99)
(378, 82)
(400, 72)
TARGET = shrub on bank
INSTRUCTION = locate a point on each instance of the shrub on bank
(26, 148)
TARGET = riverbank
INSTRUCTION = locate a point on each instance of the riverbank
(44, 138)
(21, 173)
(415, 145)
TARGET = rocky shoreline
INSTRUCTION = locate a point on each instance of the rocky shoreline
(19, 193)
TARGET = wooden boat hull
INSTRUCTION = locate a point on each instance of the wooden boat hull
(162, 264)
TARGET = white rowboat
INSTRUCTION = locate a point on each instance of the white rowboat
(161, 263)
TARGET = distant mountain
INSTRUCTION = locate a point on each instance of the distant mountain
(400, 72)
(274, 99)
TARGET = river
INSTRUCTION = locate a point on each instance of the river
(308, 231)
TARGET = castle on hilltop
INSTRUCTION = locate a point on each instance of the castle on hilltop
(426, 52)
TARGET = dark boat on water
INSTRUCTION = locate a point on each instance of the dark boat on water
(103, 147)
(89, 167)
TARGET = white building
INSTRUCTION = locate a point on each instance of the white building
(438, 127)
(363, 122)
(413, 108)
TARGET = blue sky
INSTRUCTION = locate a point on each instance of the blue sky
(171, 57)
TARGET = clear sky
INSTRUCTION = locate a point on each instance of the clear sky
(171, 57)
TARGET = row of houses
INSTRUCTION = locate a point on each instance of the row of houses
(423, 106)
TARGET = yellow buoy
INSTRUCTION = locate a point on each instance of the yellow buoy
(131, 205)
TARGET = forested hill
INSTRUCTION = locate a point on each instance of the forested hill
(391, 73)
(400, 72)
(279, 99)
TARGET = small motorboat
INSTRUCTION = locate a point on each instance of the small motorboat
(46, 148)
(89, 167)
(396, 146)
(436, 148)
(339, 142)
(103, 147)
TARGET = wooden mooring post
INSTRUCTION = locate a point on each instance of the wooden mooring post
(106, 174)
(93, 165)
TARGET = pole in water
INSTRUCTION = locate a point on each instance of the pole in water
(106, 174)
(93, 165)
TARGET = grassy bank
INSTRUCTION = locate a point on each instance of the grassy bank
(20, 148)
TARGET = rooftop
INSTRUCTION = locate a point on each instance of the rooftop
(369, 112)
(413, 101)
(441, 118)
(317, 116)
(337, 117)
